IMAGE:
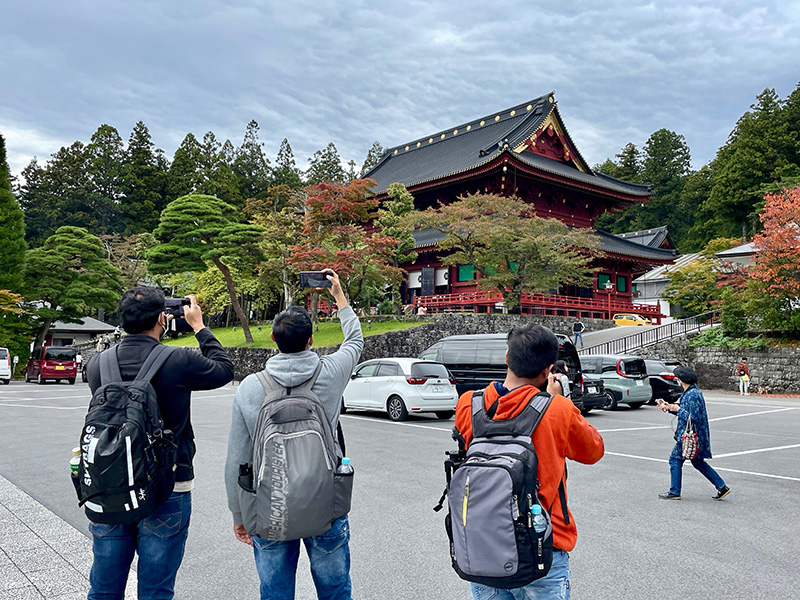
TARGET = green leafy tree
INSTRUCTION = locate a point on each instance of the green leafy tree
(128, 254)
(513, 251)
(250, 166)
(286, 171)
(281, 213)
(325, 167)
(197, 229)
(373, 158)
(12, 231)
(393, 222)
(68, 276)
(628, 165)
(144, 183)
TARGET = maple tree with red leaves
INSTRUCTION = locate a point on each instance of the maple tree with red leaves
(777, 258)
(335, 236)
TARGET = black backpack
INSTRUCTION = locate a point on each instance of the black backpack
(490, 492)
(128, 459)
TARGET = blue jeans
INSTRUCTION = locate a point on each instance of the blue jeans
(553, 586)
(578, 336)
(329, 555)
(159, 540)
(676, 472)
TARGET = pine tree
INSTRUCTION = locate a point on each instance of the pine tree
(215, 162)
(325, 167)
(144, 183)
(12, 231)
(251, 166)
(373, 157)
(183, 176)
(286, 171)
(107, 157)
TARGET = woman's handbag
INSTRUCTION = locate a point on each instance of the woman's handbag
(689, 443)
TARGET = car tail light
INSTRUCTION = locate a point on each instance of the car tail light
(452, 380)
(44, 364)
(416, 380)
(669, 376)
(619, 371)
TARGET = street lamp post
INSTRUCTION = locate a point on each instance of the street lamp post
(609, 286)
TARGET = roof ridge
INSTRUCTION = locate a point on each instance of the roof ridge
(490, 119)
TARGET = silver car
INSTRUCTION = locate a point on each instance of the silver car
(625, 378)
(399, 386)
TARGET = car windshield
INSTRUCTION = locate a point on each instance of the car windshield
(432, 370)
(59, 354)
(654, 367)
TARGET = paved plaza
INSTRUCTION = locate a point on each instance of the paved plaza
(630, 545)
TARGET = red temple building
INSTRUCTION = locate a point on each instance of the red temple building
(525, 151)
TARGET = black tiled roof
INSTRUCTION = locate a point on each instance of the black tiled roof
(652, 237)
(425, 238)
(469, 145)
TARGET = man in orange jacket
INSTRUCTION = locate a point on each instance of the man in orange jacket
(562, 433)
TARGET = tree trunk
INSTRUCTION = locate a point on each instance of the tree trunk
(42, 333)
(226, 274)
(287, 290)
(314, 306)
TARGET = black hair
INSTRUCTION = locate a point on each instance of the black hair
(685, 374)
(531, 349)
(560, 366)
(743, 358)
(139, 308)
(292, 329)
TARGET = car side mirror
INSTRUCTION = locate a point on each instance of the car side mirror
(354, 375)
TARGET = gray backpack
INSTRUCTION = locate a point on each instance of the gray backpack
(292, 489)
(494, 538)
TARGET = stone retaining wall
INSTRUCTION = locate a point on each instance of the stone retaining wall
(410, 342)
(777, 368)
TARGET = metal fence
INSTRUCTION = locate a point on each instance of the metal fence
(652, 335)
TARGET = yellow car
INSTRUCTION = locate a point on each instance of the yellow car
(629, 319)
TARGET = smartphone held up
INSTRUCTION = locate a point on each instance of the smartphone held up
(314, 279)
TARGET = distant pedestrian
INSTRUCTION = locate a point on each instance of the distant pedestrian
(561, 371)
(106, 342)
(577, 330)
(692, 405)
(117, 335)
(743, 373)
(99, 347)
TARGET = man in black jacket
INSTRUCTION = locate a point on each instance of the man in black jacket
(159, 539)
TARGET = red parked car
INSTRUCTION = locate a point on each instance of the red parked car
(54, 362)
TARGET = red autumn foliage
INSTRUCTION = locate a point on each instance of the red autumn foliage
(777, 258)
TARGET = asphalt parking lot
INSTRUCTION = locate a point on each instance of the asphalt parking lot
(631, 544)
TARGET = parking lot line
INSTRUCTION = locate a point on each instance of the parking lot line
(633, 428)
(757, 451)
(716, 468)
(761, 412)
(404, 424)
(51, 407)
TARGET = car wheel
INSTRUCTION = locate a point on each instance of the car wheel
(27, 379)
(585, 411)
(611, 401)
(396, 409)
(636, 404)
(444, 414)
(71, 381)
(39, 379)
(6, 381)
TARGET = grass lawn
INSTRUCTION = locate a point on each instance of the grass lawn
(329, 334)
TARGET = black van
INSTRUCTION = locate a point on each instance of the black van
(477, 360)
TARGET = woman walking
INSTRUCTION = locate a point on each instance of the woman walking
(692, 405)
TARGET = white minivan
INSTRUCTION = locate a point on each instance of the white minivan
(399, 386)
(5, 366)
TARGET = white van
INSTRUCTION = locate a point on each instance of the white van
(5, 366)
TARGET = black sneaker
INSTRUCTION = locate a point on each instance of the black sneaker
(722, 492)
(669, 496)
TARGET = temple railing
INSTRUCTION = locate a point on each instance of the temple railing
(646, 336)
(536, 303)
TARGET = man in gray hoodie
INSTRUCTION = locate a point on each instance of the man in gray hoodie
(329, 553)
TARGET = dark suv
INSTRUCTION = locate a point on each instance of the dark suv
(665, 385)
(477, 360)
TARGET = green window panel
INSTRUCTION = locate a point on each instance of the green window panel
(466, 272)
(602, 280)
(622, 283)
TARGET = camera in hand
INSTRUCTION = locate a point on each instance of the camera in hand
(175, 308)
(314, 279)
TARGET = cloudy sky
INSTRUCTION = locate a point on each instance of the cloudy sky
(355, 71)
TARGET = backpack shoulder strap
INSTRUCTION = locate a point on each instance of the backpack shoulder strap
(109, 367)
(539, 405)
(309, 383)
(154, 361)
